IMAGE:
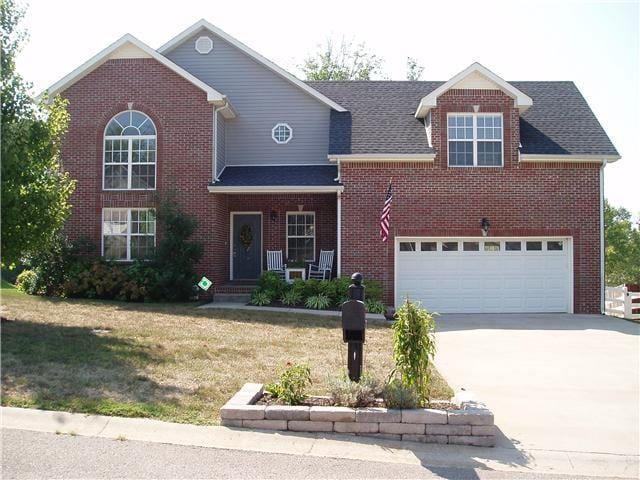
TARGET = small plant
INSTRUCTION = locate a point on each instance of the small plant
(292, 383)
(414, 346)
(296, 263)
(346, 393)
(271, 281)
(260, 298)
(397, 395)
(375, 306)
(291, 298)
(27, 282)
(318, 302)
(373, 289)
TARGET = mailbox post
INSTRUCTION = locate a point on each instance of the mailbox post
(354, 324)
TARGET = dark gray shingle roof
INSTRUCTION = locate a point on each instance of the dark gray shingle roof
(291, 175)
(381, 118)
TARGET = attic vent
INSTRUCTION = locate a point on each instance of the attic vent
(204, 45)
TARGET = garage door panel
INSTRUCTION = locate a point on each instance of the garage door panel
(496, 281)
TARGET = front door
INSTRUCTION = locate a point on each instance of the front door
(246, 246)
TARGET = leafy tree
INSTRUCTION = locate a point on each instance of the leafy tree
(342, 62)
(35, 191)
(622, 246)
(414, 69)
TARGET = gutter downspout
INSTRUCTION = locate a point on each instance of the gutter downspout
(214, 166)
(603, 285)
(339, 230)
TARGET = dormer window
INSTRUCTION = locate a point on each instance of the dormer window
(475, 140)
(281, 133)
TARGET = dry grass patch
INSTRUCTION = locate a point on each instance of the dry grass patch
(166, 361)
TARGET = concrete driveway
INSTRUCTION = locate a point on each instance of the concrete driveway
(554, 381)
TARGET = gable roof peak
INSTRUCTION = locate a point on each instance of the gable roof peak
(521, 101)
(202, 23)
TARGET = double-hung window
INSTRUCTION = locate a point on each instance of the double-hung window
(301, 236)
(130, 152)
(128, 233)
(475, 140)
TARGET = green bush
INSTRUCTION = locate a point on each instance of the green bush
(414, 347)
(374, 306)
(341, 286)
(27, 282)
(291, 298)
(346, 393)
(328, 289)
(299, 287)
(318, 302)
(292, 383)
(311, 288)
(273, 282)
(397, 395)
(260, 298)
(373, 290)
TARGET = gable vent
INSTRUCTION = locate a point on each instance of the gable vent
(204, 45)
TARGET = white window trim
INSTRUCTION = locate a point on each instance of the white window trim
(302, 236)
(273, 133)
(128, 234)
(475, 138)
(130, 163)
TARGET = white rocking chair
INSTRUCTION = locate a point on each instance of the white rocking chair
(274, 262)
(322, 271)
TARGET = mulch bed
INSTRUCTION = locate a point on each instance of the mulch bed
(321, 401)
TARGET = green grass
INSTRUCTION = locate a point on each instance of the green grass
(6, 285)
(166, 361)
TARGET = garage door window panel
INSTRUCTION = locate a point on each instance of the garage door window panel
(449, 246)
(471, 246)
(407, 246)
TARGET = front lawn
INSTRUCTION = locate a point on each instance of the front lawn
(167, 361)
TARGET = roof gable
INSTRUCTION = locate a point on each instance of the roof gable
(178, 39)
(475, 76)
(129, 46)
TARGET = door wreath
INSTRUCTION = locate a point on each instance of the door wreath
(246, 237)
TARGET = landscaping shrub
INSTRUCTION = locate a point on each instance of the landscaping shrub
(299, 287)
(341, 285)
(176, 255)
(374, 306)
(292, 383)
(271, 281)
(311, 288)
(291, 298)
(373, 289)
(398, 395)
(328, 289)
(318, 302)
(27, 282)
(414, 347)
(346, 393)
(260, 298)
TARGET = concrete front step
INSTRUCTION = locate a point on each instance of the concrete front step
(242, 298)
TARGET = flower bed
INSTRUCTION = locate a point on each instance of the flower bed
(469, 423)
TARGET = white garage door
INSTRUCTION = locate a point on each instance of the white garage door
(485, 275)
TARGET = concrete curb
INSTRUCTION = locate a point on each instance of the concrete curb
(337, 446)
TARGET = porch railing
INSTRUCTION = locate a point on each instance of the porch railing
(619, 302)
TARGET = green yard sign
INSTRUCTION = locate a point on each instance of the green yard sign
(205, 283)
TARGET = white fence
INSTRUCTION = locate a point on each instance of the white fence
(619, 302)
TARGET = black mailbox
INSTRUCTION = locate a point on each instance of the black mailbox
(354, 325)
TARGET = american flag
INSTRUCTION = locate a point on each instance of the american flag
(386, 212)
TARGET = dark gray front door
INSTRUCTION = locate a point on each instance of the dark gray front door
(246, 247)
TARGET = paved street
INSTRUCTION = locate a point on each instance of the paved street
(47, 455)
(554, 381)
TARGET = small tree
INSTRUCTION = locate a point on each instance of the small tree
(414, 69)
(414, 346)
(343, 62)
(35, 190)
(622, 246)
(176, 255)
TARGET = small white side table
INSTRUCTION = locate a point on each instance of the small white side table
(293, 273)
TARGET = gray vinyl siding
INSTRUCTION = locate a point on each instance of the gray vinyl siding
(261, 99)
(221, 145)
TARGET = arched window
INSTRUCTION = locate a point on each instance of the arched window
(130, 152)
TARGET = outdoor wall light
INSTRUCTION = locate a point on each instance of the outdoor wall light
(274, 215)
(484, 225)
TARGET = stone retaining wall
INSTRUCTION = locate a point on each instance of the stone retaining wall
(470, 424)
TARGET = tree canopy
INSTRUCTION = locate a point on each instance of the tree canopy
(35, 191)
(341, 62)
(622, 246)
(414, 69)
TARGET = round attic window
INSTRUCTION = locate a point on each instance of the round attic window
(204, 45)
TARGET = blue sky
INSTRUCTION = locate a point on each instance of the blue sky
(595, 44)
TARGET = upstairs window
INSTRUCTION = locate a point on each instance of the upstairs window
(130, 152)
(281, 133)
(475, 140)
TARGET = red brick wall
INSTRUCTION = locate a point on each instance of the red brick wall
(435, 200)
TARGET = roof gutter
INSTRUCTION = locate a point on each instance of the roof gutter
(539, 158)
(383, 157)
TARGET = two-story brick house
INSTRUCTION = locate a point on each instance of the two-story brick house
(497, 185)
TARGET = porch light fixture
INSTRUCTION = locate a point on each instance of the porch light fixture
(484, 225)
(273, 216)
